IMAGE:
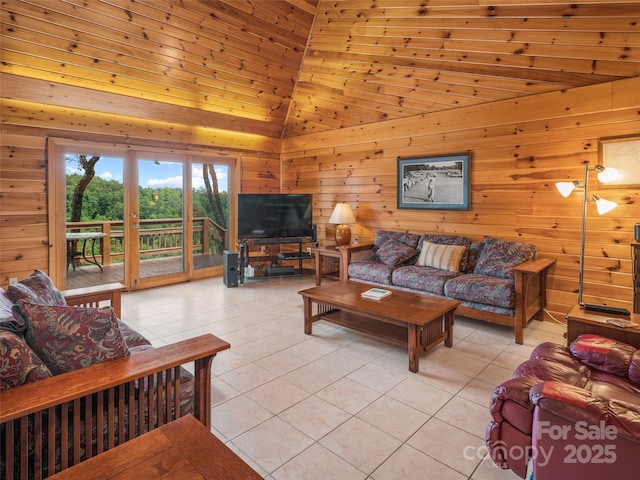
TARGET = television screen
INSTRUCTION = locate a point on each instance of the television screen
(272, 215)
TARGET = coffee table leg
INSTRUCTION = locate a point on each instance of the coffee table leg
(448, 328)
(413, 342)
(308, 324)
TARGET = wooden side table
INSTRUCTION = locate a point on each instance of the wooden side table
(183, 449)
(341, 253)
(580, 321)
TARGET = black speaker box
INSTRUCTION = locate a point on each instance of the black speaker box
(230, 268)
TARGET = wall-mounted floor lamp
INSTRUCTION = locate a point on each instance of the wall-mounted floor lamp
(605, 175)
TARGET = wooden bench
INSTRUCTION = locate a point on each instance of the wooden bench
(44, 424)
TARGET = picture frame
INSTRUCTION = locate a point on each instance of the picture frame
(621, 153)
(434, 182)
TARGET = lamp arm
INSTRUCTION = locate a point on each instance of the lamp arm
(583, 233)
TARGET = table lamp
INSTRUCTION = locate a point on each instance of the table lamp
(342, 215)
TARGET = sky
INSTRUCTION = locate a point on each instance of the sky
(152, 175)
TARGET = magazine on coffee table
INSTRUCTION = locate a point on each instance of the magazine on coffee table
(375, 294)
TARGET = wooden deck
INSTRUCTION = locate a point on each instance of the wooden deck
(90, 275)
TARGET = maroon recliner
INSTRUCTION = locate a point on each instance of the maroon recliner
(570, 412)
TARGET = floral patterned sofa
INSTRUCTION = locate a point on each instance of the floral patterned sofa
(77, 379)
(495, 280)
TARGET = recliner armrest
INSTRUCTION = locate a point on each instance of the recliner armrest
(606, 355)
(576, 404)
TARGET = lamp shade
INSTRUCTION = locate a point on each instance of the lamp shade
(565, 188)
(342, 214)
(608, 175)
(604, 206)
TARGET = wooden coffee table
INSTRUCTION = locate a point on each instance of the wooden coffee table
(419, 321)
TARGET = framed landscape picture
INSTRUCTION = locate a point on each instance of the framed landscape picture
(621, 154)
(434, 183)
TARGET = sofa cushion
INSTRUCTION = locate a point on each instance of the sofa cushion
(131, 337)
(498, 257)
(394, 253)
(385, 236)
(69, 338)
(444, 257)
(425, 279)
(36, 288)
(472, 287)
(19, 364)
(7, 320)
(6, 305)
(473, 254)
(371, 271)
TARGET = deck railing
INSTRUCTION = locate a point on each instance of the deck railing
(156, 237)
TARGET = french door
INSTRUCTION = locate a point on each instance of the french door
(142, 217)
(158, 231)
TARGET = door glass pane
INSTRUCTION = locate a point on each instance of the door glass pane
(160, 227)
(210, 184)
(94, 216)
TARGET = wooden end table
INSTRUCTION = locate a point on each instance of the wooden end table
(581, 321)
(341, 253)
(418, 321)
(181, 449)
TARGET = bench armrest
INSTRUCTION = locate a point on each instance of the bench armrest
(92, 296)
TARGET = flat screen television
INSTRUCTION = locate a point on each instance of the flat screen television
(273, 215)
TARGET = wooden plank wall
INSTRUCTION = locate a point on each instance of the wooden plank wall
(24, 243)
(519, 149)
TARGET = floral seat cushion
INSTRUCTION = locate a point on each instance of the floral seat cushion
(426, 279)
(371, 271)
(499, 292)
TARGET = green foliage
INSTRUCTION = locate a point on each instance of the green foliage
(104, 201)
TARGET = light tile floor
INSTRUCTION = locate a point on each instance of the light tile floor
(337, 404)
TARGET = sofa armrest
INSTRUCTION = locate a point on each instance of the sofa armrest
(109, 394)
(351, 253)
(534, 265)
(531, 291)
(92, 296)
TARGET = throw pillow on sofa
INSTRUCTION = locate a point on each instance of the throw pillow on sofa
(18, 362)
(498, 257)
(36, 288)
(440, 256)
(394, 253)
(69, 338)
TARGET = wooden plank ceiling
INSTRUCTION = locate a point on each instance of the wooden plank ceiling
(283, 68)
